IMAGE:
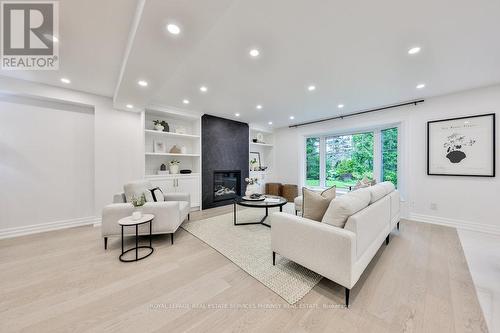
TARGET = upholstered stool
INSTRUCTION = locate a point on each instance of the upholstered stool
(273, 188)
(289, 192)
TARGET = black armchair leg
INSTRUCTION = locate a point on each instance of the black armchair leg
(189, 217)
(274, 258)
(296, 212)
(387, 240)
(398, 225)
(105, 243)
(172, 238)
(347, 297)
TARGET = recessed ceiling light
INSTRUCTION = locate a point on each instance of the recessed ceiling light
(270, 123)
(173, 29)
(421, 86)
(142, 83)
(414, 50)
(292, 117)
(237, 114)
(203, 89)
(258, 107)
(311, 88)
(254, 52)
(129, 106)
(340, 106)
(185, 101)
(65, 80)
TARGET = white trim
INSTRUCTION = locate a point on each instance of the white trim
(50, 226)
(459, 224)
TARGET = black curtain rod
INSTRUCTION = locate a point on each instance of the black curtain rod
(414, 102)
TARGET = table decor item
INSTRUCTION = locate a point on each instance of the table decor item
(252, 186)
(138, 203)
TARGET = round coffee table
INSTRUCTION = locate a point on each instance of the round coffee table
(259, 204)
(129, 222)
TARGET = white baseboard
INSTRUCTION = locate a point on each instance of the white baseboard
(459, 224)
(36, 228)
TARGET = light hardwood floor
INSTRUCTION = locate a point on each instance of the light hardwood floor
(64, 281)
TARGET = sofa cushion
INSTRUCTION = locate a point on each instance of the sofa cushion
(315, 204)
(136, 189)
(342, 207)
(388, 186)
(157, 194)
(377, 192)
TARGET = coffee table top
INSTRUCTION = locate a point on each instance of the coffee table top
(248, 203)
(130, 221)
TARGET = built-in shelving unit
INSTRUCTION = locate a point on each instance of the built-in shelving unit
(266, 152)
(184, 133)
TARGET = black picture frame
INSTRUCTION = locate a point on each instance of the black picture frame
(493, 115)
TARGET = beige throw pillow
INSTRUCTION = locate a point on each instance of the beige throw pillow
(344, 206)
(314, 204)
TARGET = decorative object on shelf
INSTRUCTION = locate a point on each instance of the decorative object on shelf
(263, 168)
(254, 140)
(183, 150)
(252, 186)
(158, 126)
(161, 124)
(174, 166)
(254, 161)
(163, 170)
(180, 130)
(462, 146)
(175, 150)
(185, 171)
(159, 147)
(138, 203)
(260, 137)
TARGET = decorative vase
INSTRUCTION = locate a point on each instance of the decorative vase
(137, 214)
(251, 189)
(174, 168)
(159, 127)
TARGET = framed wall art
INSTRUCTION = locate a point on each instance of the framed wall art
(462, 146)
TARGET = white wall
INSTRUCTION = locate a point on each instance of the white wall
(468, 202)
(118, 151)
(46, 163)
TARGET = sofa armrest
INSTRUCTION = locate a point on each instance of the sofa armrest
(110, 216)
(178, 197)
(325, 249)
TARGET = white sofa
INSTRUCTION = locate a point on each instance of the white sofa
(339, 254)
(169, 214)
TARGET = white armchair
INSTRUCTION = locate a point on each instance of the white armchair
(169, 214)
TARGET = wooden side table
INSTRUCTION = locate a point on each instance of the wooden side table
(129, 222)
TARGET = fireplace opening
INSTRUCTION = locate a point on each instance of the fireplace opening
(227, 185)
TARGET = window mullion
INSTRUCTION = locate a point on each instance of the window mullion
(322, 162)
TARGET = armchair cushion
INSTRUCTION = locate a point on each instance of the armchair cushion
(136, 189)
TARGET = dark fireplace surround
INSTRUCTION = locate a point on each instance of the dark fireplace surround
(224, 160)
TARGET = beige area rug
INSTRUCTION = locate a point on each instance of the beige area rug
(249, 247)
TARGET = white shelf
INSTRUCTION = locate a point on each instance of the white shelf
(261, 144)
(172, 134)
(171, 175)
(172, 154)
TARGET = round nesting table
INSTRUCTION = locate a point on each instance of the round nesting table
(129, 222)
(259, 204)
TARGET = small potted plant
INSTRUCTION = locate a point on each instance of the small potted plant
(174, 166)
(252, 186)
(158, 125)
(138, 203)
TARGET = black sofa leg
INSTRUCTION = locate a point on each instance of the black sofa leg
(274, 258)
(172, 238)
(398, 225)
(296, 212)
(105, 243)
(387, 240)
(189, 217)
(347, 297)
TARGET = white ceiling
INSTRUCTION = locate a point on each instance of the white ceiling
(354, 52)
